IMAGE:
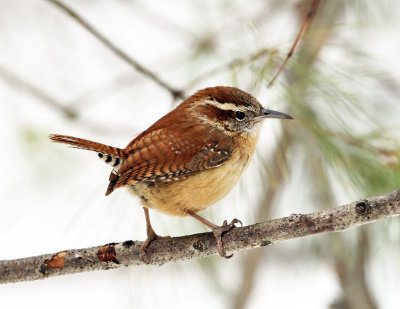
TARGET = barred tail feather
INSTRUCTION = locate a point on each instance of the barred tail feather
(88, 145)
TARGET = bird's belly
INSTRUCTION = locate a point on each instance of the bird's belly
(196, 192)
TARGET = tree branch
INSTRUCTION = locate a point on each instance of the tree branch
(303, 29)
(161, 251)
(116, 50)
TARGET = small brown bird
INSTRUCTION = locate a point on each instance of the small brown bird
(190, 158)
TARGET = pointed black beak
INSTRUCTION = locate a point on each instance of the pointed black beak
(268, 113)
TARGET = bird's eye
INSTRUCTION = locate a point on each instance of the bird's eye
(240, 115)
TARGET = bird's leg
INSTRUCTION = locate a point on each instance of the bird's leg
(217, 230)
(151, 235)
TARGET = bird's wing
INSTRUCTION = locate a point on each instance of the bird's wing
(163, 156)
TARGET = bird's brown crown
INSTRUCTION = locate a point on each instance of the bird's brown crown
(223, 95)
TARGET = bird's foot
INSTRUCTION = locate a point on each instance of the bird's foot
(219, 230)
(151, 235)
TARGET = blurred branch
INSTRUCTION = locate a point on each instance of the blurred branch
(15, 80)
(116, 50)
(69, 112)
(350, 265)
(303, 29)
(161, 251)
(105, 89)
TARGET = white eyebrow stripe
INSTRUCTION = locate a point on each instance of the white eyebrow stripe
(225, 106)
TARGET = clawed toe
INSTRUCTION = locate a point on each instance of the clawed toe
(235, 221)
(219, 230)
(227, 227)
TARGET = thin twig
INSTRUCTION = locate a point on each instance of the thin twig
(304, 27)
(162, 251)
(116, 50)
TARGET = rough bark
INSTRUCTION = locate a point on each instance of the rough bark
(200, 245)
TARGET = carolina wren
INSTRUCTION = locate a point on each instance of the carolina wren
(190, 158)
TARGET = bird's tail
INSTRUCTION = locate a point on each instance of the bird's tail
(111, 155)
